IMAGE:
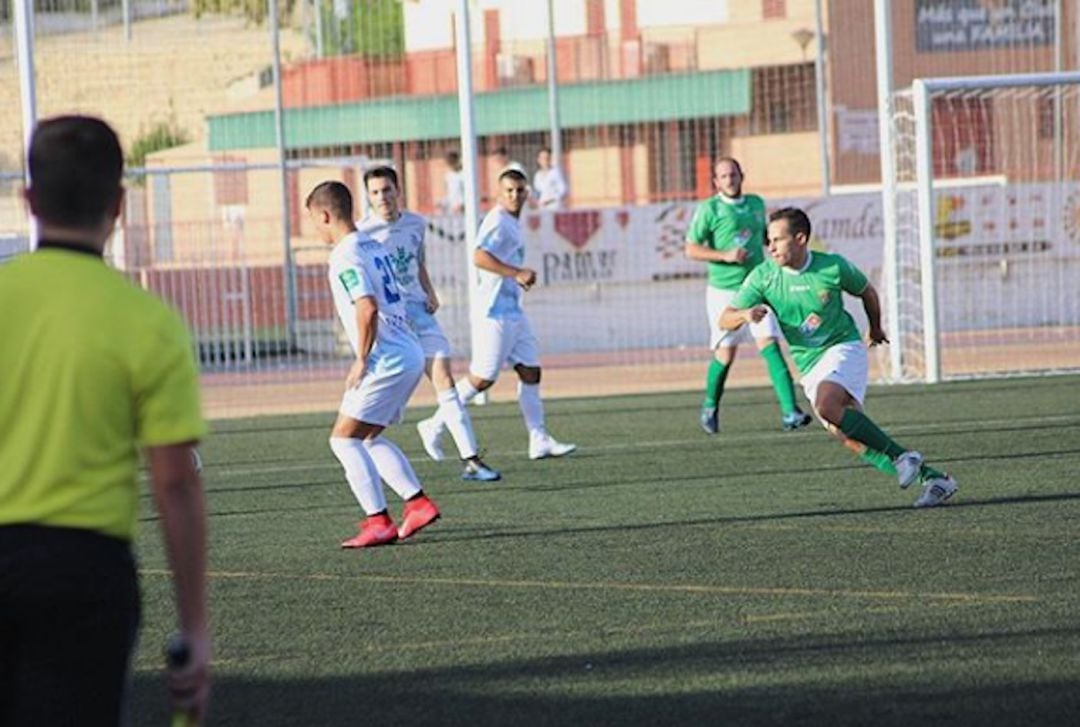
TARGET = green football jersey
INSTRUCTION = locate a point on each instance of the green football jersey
(808, 303)
(723, 225)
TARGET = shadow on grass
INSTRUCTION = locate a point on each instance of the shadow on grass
(890, 681)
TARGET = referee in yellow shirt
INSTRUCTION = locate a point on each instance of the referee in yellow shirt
(92, 369)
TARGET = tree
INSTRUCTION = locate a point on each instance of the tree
(253, 10)
(371, 28)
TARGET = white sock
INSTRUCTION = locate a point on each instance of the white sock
(457, 420)
(360, 472)
(393, 467)
(465, 390)
(531, 406)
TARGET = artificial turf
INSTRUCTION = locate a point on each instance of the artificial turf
(657, 576)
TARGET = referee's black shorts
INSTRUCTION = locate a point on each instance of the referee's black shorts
(69, 610)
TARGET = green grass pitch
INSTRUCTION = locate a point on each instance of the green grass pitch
(658, 576)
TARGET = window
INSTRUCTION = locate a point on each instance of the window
(1046, 109)
(773, 9)
(784, 99)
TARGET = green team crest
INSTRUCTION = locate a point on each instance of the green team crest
(402, 262)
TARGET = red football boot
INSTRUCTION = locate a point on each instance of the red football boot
(374, 530)
(418, 514)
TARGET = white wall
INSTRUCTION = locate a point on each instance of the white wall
(428, 23)
(658, 13)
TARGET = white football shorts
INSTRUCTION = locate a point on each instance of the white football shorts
(383, 392)
(432, 339)
(500, 341)
(846, 364)
(716, 301)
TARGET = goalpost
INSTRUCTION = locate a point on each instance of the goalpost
(987, 190)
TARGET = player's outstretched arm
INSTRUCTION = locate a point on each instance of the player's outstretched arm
(872, 306)
(484, 260)
(178, 496)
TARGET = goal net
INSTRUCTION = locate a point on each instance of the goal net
(987, 191)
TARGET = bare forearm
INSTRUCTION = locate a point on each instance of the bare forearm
(178, 495)
(486, 261)
(703, 254)
(872, 306)
(367, 327)
(183, 526)
(425, 282)
(733, 318)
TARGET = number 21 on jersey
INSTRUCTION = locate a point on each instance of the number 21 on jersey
(390, 289)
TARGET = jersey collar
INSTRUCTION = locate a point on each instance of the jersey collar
(69, 247)
(805, 265)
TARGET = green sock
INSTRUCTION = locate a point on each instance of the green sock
(879, 460)
(926, 472)
(856, 425)
(714, 383)
(781, 378)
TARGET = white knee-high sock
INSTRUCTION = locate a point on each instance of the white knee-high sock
(454, 415)
(532, 409)
(465, 390)
(360, 472)
(393, 467)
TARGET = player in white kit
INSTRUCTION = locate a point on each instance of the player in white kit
(389, 364)
(402, 234)
(500, 330)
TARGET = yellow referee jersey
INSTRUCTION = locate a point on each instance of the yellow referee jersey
(91, 368)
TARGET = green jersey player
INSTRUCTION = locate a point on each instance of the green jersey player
(805, 291)
(727, 232)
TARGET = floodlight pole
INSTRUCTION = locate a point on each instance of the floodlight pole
(469, 150)
(127, 19)
(24, 52)
(883, 45)
(288, 269)
(553, 88)
(1059, 52)
(822, 101)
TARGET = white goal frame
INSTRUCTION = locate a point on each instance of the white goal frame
(923, 90)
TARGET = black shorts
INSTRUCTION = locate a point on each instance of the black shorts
(69, 610)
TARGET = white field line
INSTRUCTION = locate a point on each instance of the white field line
(729, 439)
(672, 588)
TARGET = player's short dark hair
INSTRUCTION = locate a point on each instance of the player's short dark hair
(453, 156)
(76, 165)
(382, 172)
(544, 149)
(334, 197)
(731, 160)
(797, 220)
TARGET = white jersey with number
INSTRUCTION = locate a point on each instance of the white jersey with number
(403, 240)
(497, 296)
(360, 267)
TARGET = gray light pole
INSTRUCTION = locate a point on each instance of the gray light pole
(24, 53)
(469, 150)
(553, 89)
(283, 178)
(822, 100)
